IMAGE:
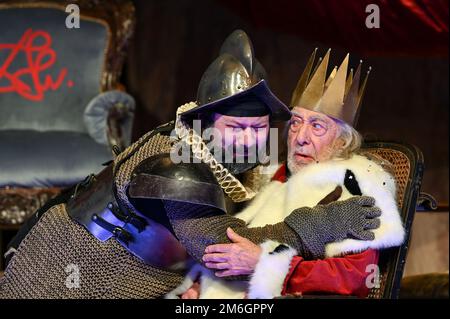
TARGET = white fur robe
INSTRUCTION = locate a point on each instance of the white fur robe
(306, 188)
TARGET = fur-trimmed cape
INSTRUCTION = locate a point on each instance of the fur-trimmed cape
(277, 200)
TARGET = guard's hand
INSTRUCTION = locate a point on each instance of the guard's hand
(317, 226)
(360, 215)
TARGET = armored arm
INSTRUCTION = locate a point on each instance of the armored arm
(195, 208)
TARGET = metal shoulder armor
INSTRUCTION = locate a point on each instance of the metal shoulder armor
(158, 177)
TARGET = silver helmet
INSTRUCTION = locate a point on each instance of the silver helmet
(235, 75)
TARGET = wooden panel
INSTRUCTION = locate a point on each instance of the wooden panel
(428, 250)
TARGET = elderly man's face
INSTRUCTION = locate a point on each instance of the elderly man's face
(310, 139)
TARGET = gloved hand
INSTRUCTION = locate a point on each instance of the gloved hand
(322, 224)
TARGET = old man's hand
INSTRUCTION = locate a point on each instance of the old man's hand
(238, 258)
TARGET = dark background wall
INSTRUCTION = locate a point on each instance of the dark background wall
(406, 97)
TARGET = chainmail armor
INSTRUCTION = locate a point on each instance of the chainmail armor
(199, 226)
(335, 221)
(148, 145)
(107, 270)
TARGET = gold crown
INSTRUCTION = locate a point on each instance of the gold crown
(338, 96)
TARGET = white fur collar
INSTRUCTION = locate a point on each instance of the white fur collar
(277, 200)
(306, 188)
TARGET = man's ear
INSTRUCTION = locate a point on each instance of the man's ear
(339, 144)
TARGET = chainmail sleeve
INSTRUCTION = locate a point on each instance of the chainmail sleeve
(199, 226)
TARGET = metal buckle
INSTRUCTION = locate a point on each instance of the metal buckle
(122, 235)
(138, 222)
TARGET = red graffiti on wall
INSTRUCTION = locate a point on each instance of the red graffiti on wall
(39, 57)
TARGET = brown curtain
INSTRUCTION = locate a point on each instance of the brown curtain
(406, 97)
(407, 27)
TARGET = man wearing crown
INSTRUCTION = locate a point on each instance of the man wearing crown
(127, 232)
(323, 155)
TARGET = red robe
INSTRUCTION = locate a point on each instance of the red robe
(336, 276)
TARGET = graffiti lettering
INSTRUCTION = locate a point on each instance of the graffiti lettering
(39, 57)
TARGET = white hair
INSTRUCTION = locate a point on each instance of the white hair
(347, 142)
